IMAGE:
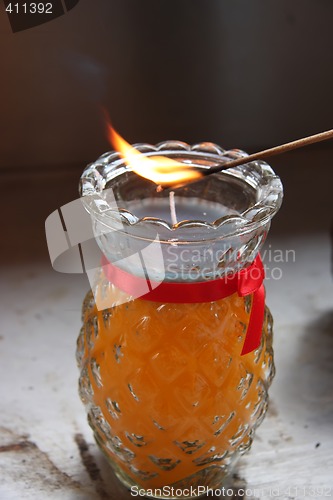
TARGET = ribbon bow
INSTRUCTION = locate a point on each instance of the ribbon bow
(245, 282)
(251, 280)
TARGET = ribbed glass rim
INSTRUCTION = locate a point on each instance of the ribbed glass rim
(257, 174)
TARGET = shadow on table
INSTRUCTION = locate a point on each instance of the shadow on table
(316, 367)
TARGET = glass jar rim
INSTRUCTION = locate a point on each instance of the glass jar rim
(258, 175)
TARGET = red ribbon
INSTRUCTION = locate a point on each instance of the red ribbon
(245, 282)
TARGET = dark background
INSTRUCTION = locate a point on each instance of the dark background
(242, 74)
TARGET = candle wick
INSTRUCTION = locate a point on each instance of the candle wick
(173, 207)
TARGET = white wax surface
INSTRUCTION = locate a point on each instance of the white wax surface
(186, 209)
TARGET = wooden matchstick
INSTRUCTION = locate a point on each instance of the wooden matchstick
(277, 150)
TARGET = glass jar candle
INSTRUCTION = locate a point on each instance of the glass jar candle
(173, 380)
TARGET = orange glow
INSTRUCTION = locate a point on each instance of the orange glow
(162, 381)
(159, 169)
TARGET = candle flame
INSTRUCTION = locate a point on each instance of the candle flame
(162, 170)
